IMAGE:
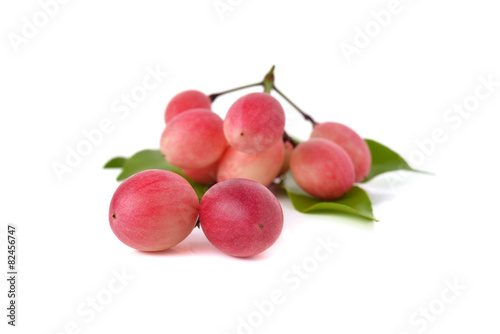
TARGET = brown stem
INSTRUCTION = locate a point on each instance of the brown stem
(306, 116)
(216, 95)
(287, 138)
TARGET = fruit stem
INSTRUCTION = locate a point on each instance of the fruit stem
(287, 138)
(306, 116)
(268, 81)
(268, 84)
(212, 97)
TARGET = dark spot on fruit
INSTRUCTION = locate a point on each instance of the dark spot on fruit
(114, 216)
(261, 226)
(241, 134)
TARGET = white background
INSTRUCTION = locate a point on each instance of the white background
(65, 78)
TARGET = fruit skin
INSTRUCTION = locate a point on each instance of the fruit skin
(193, 139)
(241, 217)
(262, 167)
(285, 167)
(207, 175)
(153, 210)
(351, 142)
(254, 123)
(186, 100)
(322, 168)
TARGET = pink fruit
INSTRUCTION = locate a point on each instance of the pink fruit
(241, 217)
(153, 210)
(186, 100)
(254, 123)
(285, 167)
(262, 167)
(193, 139)
(351, 142)
(322, 168)
(205, 175)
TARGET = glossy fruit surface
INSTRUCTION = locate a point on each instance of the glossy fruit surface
(241, 217)
(207, 175)
(193, 139)
(322, 168)
(262, 167)
(350, 141)
(186, 100)
(153, 210)
(285, 166)
(254, 123)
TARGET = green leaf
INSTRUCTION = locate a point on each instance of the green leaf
(385, 160)
(153, 159)
(115, 162)
(144, 160)
(355, 202)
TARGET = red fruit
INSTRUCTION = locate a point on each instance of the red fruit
(153, 210)
(186, 100)
(351, 142)
(262, 167)
(285, 167)
(322, 168)
(205, 175)
(193, 139)
(241, 217)
(254, 123)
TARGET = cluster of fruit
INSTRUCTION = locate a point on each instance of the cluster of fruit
(242, 155)
(155, 210)
(196, 139)
(250, 143)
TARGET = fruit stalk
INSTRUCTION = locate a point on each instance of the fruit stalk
(268, 84)
(307, 117)
(216, 95)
